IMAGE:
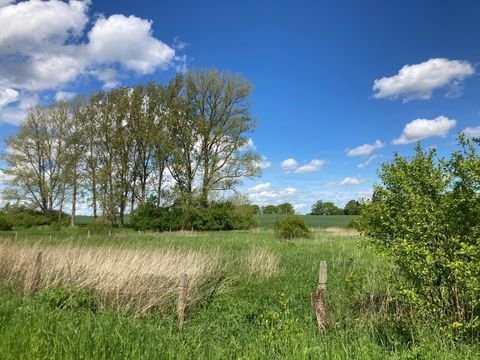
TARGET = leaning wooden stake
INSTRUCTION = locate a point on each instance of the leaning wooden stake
(319, 299)
(182, 300)
(37, 274)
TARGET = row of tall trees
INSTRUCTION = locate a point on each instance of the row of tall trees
(182, 142)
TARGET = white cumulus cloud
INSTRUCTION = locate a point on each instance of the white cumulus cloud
(420, 129)
(46, 45)
(289, 164)
(128, 41)
(472, 132)
(312, 166)
(365, 149)
(260, 187)
(418, 81)
(265, 194)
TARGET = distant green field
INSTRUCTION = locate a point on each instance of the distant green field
(266, 221)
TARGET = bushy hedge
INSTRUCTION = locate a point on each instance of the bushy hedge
(23, 217)
(223, 216)
(218, 216)
(5, 224)
(292, 227)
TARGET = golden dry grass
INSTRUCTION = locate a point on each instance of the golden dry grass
(341, 231)
(262, 263)
(132, 280)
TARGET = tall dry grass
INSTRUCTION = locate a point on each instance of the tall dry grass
(261, 262)
(133, 280)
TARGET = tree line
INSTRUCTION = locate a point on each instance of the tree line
(181, 143)
(320, 207)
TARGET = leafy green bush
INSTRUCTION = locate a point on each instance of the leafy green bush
(218, 216)
(99, 226)
(292, 227)
(425, 218)
(223, 216)
(23, 217)
(170, 218)
(5, 224)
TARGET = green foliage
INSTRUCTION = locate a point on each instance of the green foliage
(292, 227)
(325, 208)
(352, 207)
(285, 209)
(99, 226)
(23, 217)
(269, 209)
(218, 216)
(5, 224)
(60, 298)
(149, 216)
(425, 218)
(314, 221)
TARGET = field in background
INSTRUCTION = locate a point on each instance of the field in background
(266, 221)
(261, 312)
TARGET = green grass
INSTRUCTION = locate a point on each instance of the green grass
(267, 220)
(255, 319)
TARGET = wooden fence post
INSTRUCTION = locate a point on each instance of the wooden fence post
(37, 274)
(319, 299)
(182, 300)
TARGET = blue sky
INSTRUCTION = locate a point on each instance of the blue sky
(328, 76)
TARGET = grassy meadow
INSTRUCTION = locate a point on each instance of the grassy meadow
(114, 297)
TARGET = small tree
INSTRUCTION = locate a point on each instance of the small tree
(352, 208)
(285, 209)
(269, 209)
(325, 208)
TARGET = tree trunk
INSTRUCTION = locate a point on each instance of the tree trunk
(74, 198)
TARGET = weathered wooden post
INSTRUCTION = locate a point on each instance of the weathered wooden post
(319, 299)
(37, 274)
(182, 300)
(88, 234)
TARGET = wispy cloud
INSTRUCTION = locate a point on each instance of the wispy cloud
(312, 166)
(369, 161)
(365, 149)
